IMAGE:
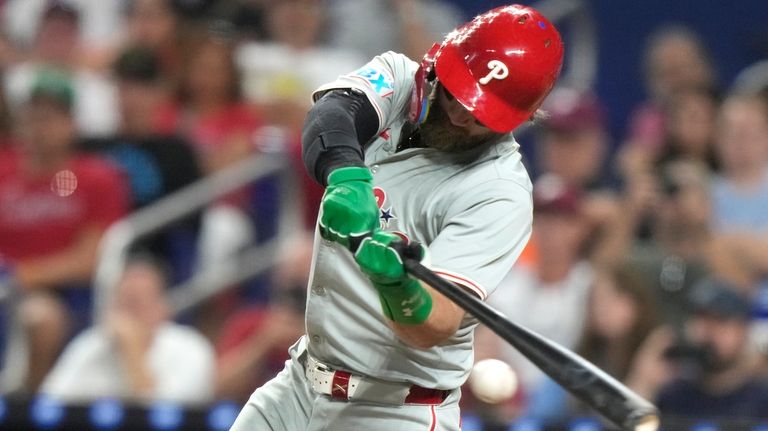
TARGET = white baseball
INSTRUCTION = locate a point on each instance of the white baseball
(492, 381)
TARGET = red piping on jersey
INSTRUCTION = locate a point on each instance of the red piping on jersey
(434, 418)
(464, 281)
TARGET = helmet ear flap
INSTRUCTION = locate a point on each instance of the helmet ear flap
(424, 78)
(432, 75)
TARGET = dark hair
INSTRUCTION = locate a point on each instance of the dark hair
(671, 151)
(628, 280)
(200, 38)
(158, 265)
(138, 64)
(675, 31)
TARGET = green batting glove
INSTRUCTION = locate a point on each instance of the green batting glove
(403, 299)
(348, 207)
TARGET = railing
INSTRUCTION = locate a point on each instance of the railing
(116, 241)
(121, 235)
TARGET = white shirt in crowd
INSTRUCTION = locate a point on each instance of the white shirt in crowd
(555, 310)
(181, 360)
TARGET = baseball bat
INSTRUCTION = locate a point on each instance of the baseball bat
(584, 380)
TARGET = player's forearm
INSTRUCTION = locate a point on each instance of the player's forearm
(442, 323)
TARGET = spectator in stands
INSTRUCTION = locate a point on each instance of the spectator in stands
(690, 117)
(54, 206)
(740, 192)
(675, 59)
(371, 27)
(573, 143)
(57, 45)
(279, 75)
(253, 342)
(675, 255)
(99, 23)
(622, 336)
(716, 379)
(573, 140)
(557, 285)
(155, 164)
(137, 353)
(209, 110)
(210, 113)
(156, 25)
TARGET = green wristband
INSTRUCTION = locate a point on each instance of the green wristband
(406, 303)
(350, 173)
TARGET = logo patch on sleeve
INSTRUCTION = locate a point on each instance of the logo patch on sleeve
(381, 83)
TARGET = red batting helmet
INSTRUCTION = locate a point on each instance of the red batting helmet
(501, 65)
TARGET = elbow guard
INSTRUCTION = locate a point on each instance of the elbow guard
(336, 128)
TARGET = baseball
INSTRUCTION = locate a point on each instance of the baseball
(492, 381)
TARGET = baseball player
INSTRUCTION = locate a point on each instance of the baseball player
(410, 152)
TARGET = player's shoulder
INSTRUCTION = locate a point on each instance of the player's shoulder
(399, 65)
(397, 57)
(501, 167)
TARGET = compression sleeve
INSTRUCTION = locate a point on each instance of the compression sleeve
(337, 127)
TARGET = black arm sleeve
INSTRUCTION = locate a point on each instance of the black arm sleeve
(335, 130)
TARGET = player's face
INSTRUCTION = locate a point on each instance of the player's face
(450, 127)
(459, 116)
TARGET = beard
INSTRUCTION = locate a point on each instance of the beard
(439, 133)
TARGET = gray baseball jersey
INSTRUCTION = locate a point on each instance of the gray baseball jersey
(475, 218)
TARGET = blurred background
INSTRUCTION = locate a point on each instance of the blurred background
(156, 220)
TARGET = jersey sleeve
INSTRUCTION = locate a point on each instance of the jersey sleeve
(482, 236)
(386, 80)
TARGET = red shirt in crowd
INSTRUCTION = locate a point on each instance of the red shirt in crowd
(208, 133)
(44, 214)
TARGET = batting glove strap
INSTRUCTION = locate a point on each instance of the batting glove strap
(408, 303)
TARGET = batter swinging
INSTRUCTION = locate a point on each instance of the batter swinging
(410, 152)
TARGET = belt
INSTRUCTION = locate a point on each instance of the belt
(345, 386)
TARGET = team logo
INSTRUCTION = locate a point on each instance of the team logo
(387, 214)
(499, 71)
(381, 83)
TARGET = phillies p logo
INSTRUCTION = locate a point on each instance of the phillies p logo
(498, 71)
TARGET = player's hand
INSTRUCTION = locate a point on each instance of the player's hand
(380, 261)
(403, 299)
(349, 206)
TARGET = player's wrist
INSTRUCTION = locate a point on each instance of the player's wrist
(405, 302)
(349, 173)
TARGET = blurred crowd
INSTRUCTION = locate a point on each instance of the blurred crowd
(649, 254)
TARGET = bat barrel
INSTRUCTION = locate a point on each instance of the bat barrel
(584, 380)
